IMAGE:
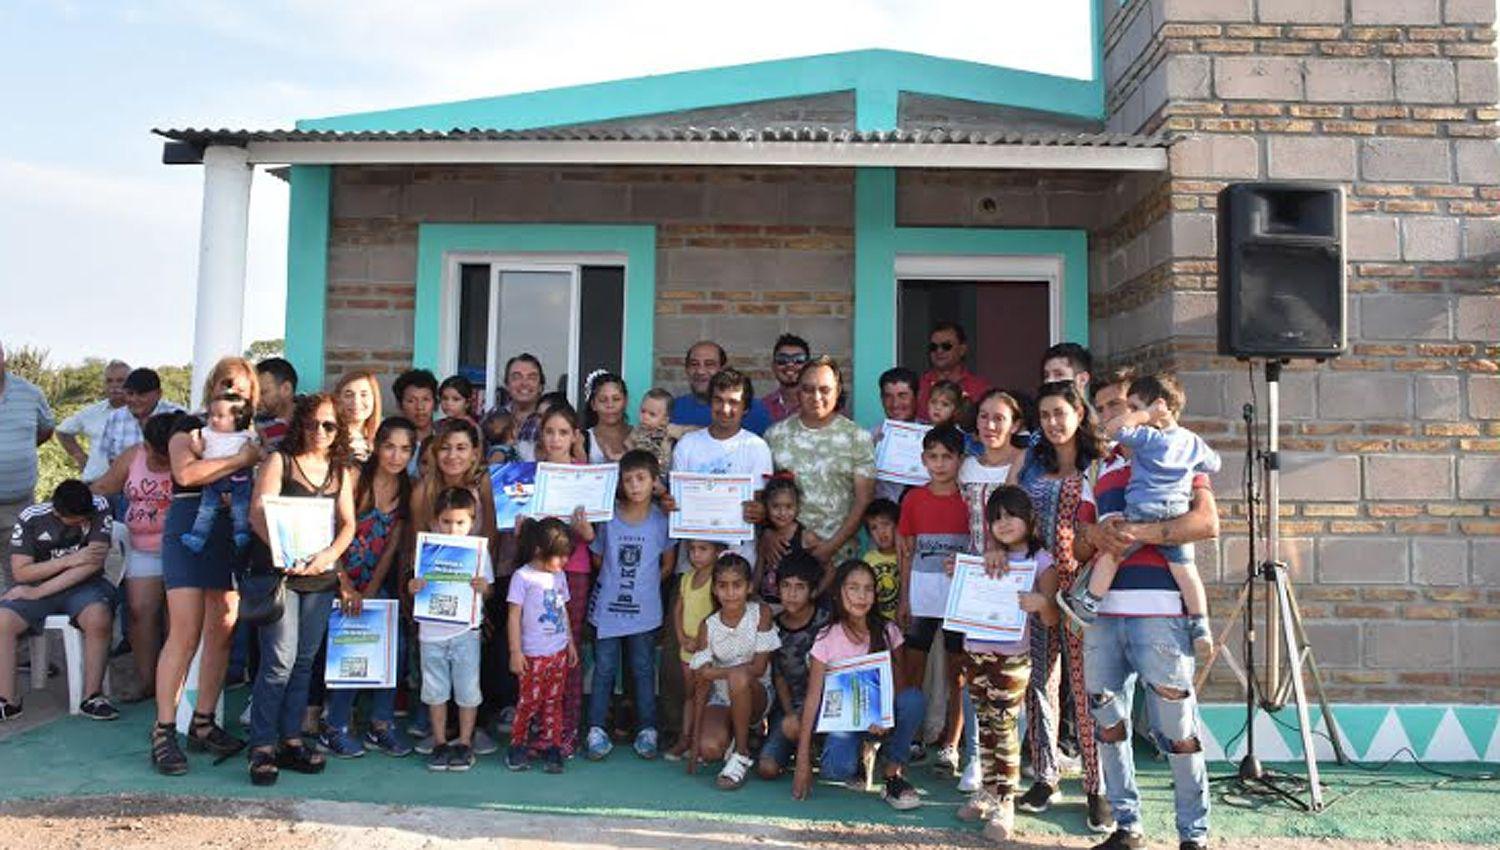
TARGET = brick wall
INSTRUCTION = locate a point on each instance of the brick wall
(1392, 483)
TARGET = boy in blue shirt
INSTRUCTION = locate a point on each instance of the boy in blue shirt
(1164, 458)
(637, 556)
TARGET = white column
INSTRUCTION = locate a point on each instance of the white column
(217, 328)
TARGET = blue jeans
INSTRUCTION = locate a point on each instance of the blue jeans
(1158, 650)
(287, 649)
(238, 488)
(841, 749)
(641, 649)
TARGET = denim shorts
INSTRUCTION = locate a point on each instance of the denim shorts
(778, 747)
(450, 668)
(213, 568)
(70, 601)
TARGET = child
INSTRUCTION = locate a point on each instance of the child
(637, 556)
(797, 625)
(856, 628)
(656, 433)
(500, 438)
(543, 647)
(1164, 458)
(947, 405)
(782, 500)
(732, 673)
(998, 672)
(228, 429)
(934, 526)
(450, 652)
(880, 519)
(454, 395)
(694, 603)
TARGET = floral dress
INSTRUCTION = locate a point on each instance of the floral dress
(372, 533)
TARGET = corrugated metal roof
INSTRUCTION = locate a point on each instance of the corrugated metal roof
(932, 136)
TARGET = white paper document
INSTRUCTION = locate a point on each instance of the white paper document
(711, 507)
(985, 608)
(898, 457)
(562, 487)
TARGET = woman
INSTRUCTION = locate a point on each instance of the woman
(312, 463)
(832, 458)
(144, 475)
(605, 399)
(455, 458)
(358, 395)
(998, 419)
(1058, 474)
(201, 600)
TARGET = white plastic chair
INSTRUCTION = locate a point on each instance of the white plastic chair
(72, 658)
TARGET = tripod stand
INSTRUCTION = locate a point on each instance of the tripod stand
(1283, 623)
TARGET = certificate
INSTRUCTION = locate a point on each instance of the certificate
(711, 507)
(858, 693)
(987, 608)
(298, 528)
(512, 485)
(448, 562)
(562, 487)
(362, 647)
(898, 458)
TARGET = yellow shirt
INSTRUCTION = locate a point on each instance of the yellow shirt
(697, 604)
(887, 581)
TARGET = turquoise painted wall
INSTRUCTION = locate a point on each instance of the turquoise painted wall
(309, 208)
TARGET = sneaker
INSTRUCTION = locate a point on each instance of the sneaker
(421, 726)
(9, 710)
(980, 806)
(1101, 816)
(1039, 798)
(972, 778)
(98, 707)
(425, 745)
(1121, 839)
(553, 761)
(439, 758)
(947, 761)
(1074, 617)
(1192, 844)
(507, 719)
(645, 744)
(598, 746)
(340, 744)
(1000, 826)
(900, 794)
(516, 759)
(484, 745)
(918, 753)
(460, 757)
(385, 739)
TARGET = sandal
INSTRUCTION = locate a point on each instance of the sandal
(206, 735)
(736, 771)
(263, 769)
(8, 709)
(166, 756)
(300, 758)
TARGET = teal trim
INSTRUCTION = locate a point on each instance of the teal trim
(636, 242)
(308, 223)
(875, 76)
(874, 287)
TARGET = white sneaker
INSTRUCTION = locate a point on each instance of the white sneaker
(947, 760)
(972, 778)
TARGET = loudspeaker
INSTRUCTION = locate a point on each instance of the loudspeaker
(1282, 289)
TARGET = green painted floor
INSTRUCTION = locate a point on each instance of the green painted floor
(73, 756)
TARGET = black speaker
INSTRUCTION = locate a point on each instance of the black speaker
(1282, 290)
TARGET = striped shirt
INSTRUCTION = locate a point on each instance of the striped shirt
(23, 412)
(122, 430)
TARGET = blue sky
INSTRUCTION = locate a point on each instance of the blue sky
(99, 241)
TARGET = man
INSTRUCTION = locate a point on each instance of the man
(898, 398)
(278, 390)
(726, 447)
(90, 423)
(788, 356)
(947, 346)
(25, 423)
(142, 401)
(704, 360)
(1141, 633)
(524, 380)
(57, 554)
(1068, 361)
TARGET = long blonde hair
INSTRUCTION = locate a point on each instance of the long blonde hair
(373, 423)
(223, 370)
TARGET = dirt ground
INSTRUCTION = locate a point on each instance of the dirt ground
(128, 822)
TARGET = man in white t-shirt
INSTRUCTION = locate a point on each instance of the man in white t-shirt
(89, 423)
(725, 447)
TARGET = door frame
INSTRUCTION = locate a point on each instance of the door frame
(983, 268)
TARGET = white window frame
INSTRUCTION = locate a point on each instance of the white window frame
(569, 263)
(984, 268)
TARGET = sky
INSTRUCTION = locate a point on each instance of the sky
(99, 240)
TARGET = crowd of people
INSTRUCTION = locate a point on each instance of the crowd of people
(719, 651)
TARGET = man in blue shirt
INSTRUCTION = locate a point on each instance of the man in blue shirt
(704, 360)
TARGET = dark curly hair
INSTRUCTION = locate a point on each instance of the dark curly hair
(305, 418)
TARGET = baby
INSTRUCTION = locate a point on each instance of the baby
(229, 428)
(656, 433)
(500, 438)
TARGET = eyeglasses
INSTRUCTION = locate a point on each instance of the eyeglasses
(939, 346)
(328, 427)
(790, 359)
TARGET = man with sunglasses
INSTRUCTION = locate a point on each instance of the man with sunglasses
(788, 357)
(947, 346)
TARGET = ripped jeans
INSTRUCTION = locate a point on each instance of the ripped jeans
(1159, 650)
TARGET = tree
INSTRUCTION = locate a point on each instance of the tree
(263, 348)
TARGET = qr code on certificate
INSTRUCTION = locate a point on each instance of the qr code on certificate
(833, 703)
(354, 668)
(444, 606)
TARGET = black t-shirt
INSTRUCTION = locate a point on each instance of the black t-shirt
(42, 535)
(790, 659)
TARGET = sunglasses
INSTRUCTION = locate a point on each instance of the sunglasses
(790, 359)
(328, 427)
(940, 346)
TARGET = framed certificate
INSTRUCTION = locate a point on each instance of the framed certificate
(562, 487)
(362, 647)
(898, 457)
(512, 485)
(858, 693)
(448, 562)
(711, 507)
(298, 528)
(987, 608)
